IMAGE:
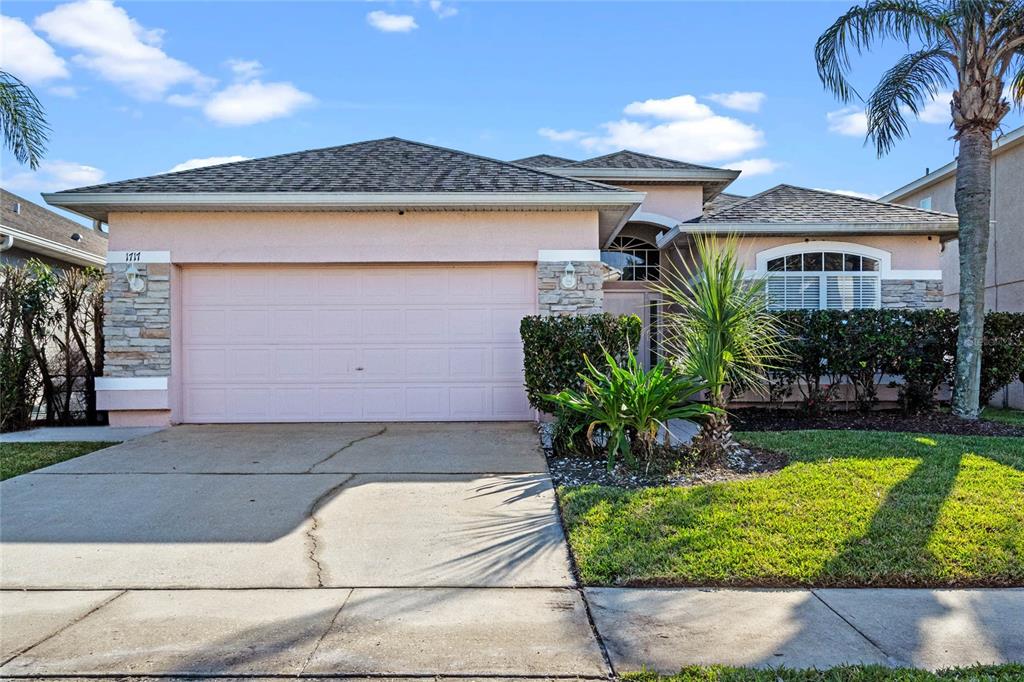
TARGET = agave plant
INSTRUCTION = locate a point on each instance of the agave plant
(631, 402)
(715, 325)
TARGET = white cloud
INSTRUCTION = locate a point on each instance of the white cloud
(850, 121)
(54, 175)
(442, 10)
(709, 139)
(850, 193)
(26, 55)
(63, 91)
(245, 69)
(687, 130)
(683, 107)
(738, 100)
(391, 23)
(561, 135)
(937, 110)
(754, 166)
(118, 48)
(255, 102)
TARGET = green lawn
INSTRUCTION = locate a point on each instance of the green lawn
(855, 673)
(1013, 417)
(20, 458)
(851, 508)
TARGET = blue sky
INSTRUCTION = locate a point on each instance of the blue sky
(137, 88)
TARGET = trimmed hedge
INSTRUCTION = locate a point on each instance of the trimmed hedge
(553, 350)
(918, 346)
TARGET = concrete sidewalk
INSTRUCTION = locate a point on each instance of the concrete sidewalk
(666, 629)
(90, 434)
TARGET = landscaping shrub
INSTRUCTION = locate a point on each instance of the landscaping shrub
(52, 343)
(916, 346)
(1002, 352)
(553, 350)
(631, 404)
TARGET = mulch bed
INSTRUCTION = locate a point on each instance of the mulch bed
(753, 419)
(574, 470)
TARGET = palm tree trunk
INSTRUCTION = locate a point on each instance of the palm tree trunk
(973, 205)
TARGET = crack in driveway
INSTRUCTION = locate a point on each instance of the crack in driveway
(344, 447)
(314, 526)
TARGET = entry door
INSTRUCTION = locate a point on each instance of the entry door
(351, 343)
(641, 304)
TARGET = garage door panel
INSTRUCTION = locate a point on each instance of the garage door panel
(291, 343)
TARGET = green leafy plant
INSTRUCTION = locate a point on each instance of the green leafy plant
(1002, 352)
(715, 325)
(631, 404)
(554, 346)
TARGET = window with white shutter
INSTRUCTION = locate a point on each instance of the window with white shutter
(824, 280)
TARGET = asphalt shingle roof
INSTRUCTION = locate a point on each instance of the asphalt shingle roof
(386, 165)
(630, 159)
(721, 201)
(786, 204)
(44, 223)
(545, 161)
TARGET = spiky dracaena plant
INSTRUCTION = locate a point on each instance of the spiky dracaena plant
(23, 121)
(715, 325)
(977, 47)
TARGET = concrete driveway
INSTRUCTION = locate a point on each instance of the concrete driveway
(283, 549)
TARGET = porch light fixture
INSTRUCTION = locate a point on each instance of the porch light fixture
(136, 282)
(569, 277)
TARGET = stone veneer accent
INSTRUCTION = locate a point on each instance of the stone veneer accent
(587, 298)
(137, 326)
(912, 293)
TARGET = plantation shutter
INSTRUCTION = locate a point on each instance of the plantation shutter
(794, 292)
(849, 292)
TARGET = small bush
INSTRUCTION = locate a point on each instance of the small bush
(631, 404)
(1002, 352)
(553, 350)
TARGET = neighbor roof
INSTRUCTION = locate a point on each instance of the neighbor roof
(387, 165)
(40, 230)
(544, 161)
(787, 204)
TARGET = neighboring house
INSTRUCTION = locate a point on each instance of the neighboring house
(28, 231)
(385, 280)
(1004, 277)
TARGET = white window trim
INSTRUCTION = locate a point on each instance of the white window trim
(884, 258)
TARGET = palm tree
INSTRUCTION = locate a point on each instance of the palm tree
(715, 325)
(23, 119)
(977, 46)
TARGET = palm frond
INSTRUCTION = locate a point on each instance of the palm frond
(863, 26)
(23, 121)
(907, 86)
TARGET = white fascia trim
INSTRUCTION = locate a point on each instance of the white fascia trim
(949, 169)
(560, 255)
(654, 219)
(349, 200)
(115, 257)
(54, 249)
(658, 174)
(822, 228)
(131, 383)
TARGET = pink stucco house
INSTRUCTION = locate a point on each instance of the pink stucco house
(385, 280)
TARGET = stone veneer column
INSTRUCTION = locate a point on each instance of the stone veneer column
(912, 293)
(586, 298)
(137, 325)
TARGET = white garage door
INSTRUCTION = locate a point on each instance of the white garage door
(353, 343)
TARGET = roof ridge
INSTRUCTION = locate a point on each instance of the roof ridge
(646, 156)
(743, 201)
(509, 163)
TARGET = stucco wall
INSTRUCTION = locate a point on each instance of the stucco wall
(280, 237)
(909, 252)
(681, 202)
(1004, 279)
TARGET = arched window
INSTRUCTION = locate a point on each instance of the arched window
(823, 276)
(638, 260)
